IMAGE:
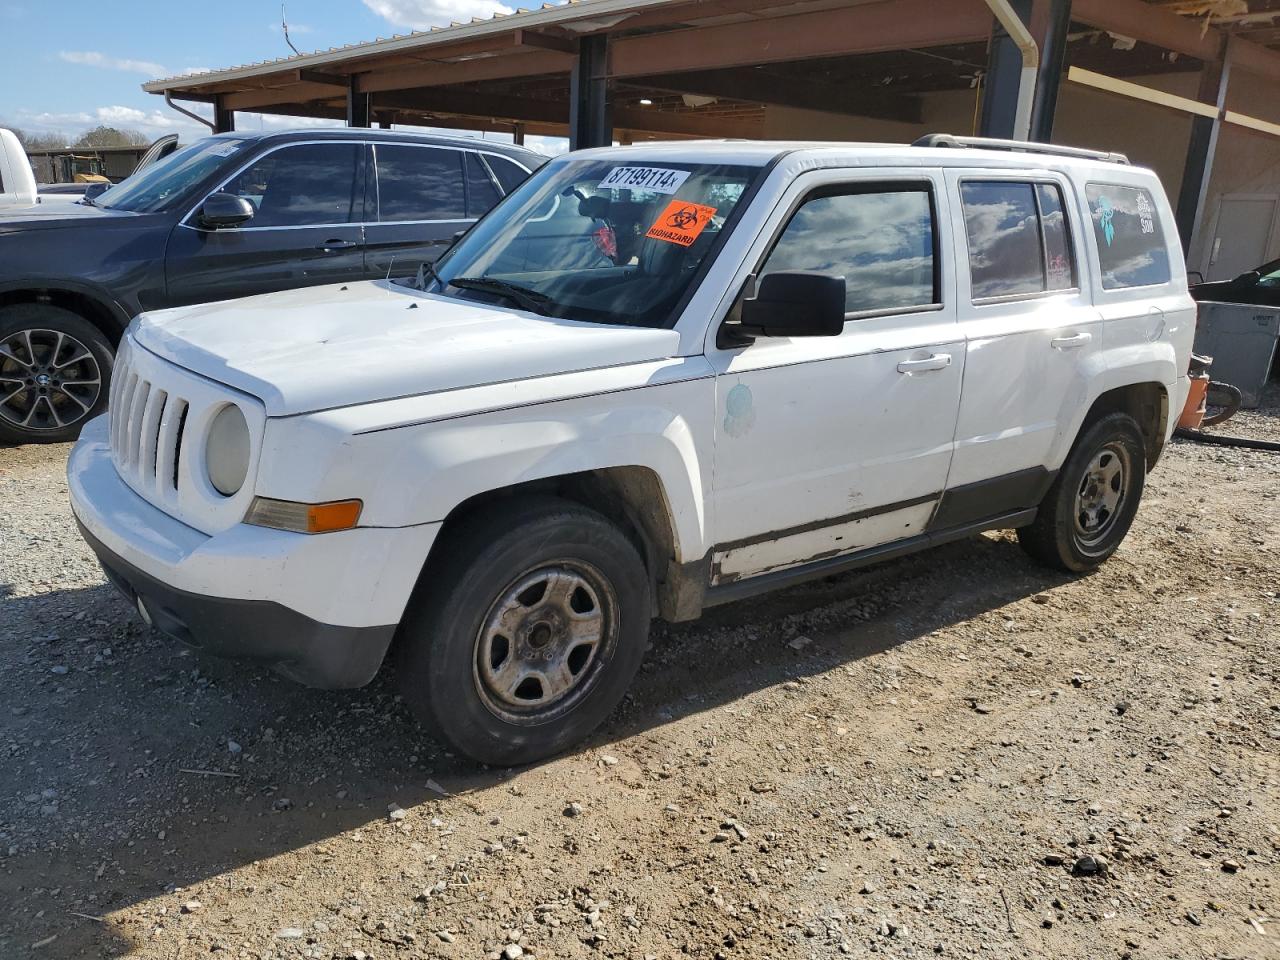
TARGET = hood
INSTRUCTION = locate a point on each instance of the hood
(57, 211)
(333, 346)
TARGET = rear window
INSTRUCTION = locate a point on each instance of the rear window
(1131, 245)
(1019, 238)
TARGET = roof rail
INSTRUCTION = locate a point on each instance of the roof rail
(1026, 146)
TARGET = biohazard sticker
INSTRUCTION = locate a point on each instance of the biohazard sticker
(681, 222)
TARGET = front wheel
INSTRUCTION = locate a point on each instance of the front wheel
(55, 369)
(526, 630)
(1092, 502)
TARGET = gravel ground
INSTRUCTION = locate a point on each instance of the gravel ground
(957, 754)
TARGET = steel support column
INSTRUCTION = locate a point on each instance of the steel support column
(1201, 148)
(590, 123)
(1053, 61)
(224, 119)
(1004, 74)
(357, 105)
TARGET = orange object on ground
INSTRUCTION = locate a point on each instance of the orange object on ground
(1194, 409)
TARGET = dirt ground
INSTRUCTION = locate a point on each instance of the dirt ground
(956, 754)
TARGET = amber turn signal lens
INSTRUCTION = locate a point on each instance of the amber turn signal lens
(326, 517)
(304, 517)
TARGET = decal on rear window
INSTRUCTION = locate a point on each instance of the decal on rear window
(657, 179)
(681, 223)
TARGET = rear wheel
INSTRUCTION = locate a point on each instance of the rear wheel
(55, 368)
(527, 631)
(1092, 502)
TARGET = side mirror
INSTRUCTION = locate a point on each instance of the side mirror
(221, 210)
(94, 190)
(795, 304)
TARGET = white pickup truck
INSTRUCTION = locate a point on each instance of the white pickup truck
(653, 379)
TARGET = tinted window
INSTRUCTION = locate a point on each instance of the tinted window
(1005, 255)
(509, 174)
(310, 184)
(419, 183)
(1058, 263)
(482, 192)
(881, 242)
(1131, 248)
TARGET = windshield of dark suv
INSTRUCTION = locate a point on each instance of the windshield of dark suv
(608, 241)
(167, 180)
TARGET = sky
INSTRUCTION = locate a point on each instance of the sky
(70, 65)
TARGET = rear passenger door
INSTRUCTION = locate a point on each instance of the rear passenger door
(308, 204)
(831, 445)
(423, 196)
(1030, 330)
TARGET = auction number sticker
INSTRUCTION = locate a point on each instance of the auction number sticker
(657, 179)
(681, 222)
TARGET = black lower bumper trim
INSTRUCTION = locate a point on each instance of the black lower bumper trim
(306, 650)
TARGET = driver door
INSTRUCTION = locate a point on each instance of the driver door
(831, 445)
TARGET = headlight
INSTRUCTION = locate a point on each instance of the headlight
(226, 453)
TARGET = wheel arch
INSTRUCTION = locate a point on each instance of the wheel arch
(94, 305)
(631, 496)
(1146, 402)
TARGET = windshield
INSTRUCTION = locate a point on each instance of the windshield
(164, 181)
(597, 240)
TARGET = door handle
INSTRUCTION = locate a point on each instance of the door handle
(330, 246)
(937, 361)
(1071, 342)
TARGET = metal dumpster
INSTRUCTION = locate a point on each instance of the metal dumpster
(1241, 338)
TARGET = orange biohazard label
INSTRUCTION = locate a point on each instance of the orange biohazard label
(681, 222)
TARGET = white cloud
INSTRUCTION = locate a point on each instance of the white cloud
(423, 14)
(148, 68)
(91, 58)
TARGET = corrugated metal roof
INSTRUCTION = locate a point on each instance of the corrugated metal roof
(549, 14)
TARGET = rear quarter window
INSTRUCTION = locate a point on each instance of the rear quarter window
(1129, 235)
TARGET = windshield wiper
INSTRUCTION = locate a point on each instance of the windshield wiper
(523, 297)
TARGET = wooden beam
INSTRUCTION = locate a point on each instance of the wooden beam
(508, 110)
(762, 86)
(504, 67)
(1138, 92)
(318, 77)
(294, 93)
(469, 103)
(862, 28)
(545, 41)
(1150, 24)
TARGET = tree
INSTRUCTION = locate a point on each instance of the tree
(104, 136)
(40, 141)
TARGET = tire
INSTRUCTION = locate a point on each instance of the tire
(1092, 502)
(536, 569)
(55, 373)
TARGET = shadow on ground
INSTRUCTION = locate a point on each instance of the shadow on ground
(132, 737)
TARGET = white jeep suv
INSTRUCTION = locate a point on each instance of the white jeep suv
(653, 379)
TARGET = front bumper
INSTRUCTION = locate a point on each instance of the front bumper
(321, 609)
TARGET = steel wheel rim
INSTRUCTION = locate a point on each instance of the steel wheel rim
(1102, 493)
(49, 380)
(545, 641)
